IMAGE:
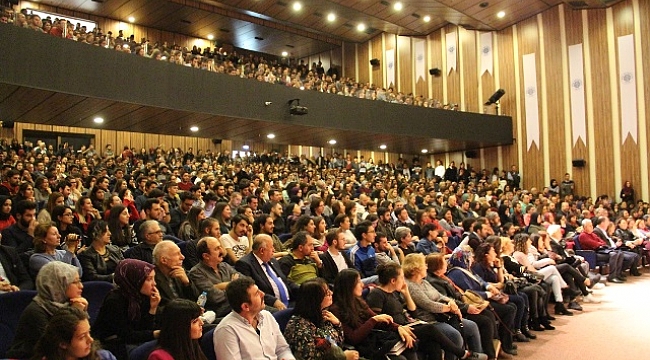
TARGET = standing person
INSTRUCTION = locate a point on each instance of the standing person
(249, 331)
(67, 336)
(567, 187)
(57, 285)
(181, 328)
(313, 332)
(627, 193)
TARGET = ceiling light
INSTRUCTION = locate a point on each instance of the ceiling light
(398, 6)
(332, 142)
(131, 19)
(424, 151)
(382, 146)
(501, 14)
(271, 136)
(331, 17)
(426, 18)
(194, 129)
(245, 147)
(361, 27)
(302, 88)
(297, 6)
(98, 120)
(284, 54)
(210, 37)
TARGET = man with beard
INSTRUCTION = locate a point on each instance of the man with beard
(20, 235)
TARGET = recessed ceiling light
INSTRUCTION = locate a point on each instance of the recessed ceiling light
(98, 120)
(398, 6)
(382, 146)
(271, 136)
(131, 19)
(302, 88)
(194, 129)
(501, 14)
(297, 6)
(331, 17)
(210, 37)
(361, 27)
(245, 147)
(332, 142)
(424, 151)
(426, 18)
(284, 54)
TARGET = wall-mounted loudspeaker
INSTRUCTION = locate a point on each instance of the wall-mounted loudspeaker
(374, 62)
(216, 141)
(579, 163)
(471, 154)
(8, 124)
(435, 72)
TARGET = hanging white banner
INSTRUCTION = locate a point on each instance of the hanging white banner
(627, 86)
(390, 68)
(451, 51)
(531, 102)
(420, 64)
(487, 57)
(576, 75)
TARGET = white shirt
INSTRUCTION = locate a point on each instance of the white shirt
(276, 291)
(339, 260)
(235, 338)
(238, 246)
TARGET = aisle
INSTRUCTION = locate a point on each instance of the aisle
(617, 328)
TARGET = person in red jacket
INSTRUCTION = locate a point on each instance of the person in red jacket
(590, 241)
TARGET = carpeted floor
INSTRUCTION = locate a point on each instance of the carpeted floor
(617, 328)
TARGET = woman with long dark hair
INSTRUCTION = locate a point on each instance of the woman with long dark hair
(6, 219)
(223, 213)
(67, 337)
(312, 325)
(189, 229)
(84, 213)
(100, 259)
(181, 328)
(120, 229)
(54, 199)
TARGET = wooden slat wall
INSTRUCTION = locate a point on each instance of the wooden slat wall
(644, 135)
(435, 52)
(376, 53)
(454, 86)
(405, 67)
(349, 60)
(363, 63)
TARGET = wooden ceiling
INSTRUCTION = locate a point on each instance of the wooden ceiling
(273, 26)
(29, 105)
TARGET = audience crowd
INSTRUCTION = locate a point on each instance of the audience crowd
(283, 71)
(383, 257)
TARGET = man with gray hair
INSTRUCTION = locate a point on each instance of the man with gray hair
(590, 241)
(152, 234)
(171, 279)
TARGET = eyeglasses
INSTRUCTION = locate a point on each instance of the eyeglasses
(156, 232)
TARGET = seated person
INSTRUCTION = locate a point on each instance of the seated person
(427, 243)
(15, 276)
(362, 254)
(57, 285)
(212, 274)
(181, 328)
(46, 242)
(100, 259)
(249, 331)
(20, 235)
(207, 227)
(302, 263)
(171, 278)
(334, 260)
(385, 252)
(264, 269)
(126, 318)
(239, 239)
(152, 234)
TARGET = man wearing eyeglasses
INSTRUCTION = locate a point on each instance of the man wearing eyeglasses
(152, 234)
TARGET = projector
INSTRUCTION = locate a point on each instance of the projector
(298, 110)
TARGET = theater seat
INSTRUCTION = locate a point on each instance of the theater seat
(142, 352)
(207, 345)
(95, 292)
(12, 306)
(282, 317)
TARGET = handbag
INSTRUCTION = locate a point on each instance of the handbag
(510, 287)
(472, 298)
(378, 344)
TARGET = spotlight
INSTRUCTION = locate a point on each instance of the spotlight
(495, 97)
(267, 103)
(194, 129)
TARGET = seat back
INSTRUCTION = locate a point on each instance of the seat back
(12, 306)
(95, 292)
(576, 242)
(282, 317)
(207, 345)
(183, 246)
(142, 352)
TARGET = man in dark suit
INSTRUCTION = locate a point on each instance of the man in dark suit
(630, 259)
(261, 266)
(15, 276)
(336, 246)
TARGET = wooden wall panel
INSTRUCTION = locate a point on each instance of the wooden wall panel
(435, 53)
(454, 87)
(602, 108)
(508, 103)
(533, 160)
(554, 94)
(630, 152)
(644, 8)
(469, 67)
(349, 60)
(363, 62)
(404, 64)
(376, 53)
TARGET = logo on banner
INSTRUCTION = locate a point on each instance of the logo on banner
(451, 48)
(530, 91)
(420, 57)
(390, 65)
(627, 77)
(485, 50)
(576, 84)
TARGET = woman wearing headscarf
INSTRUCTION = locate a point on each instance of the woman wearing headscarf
(57, 285)
(126, 318)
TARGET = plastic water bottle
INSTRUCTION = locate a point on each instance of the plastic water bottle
(203, 298)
